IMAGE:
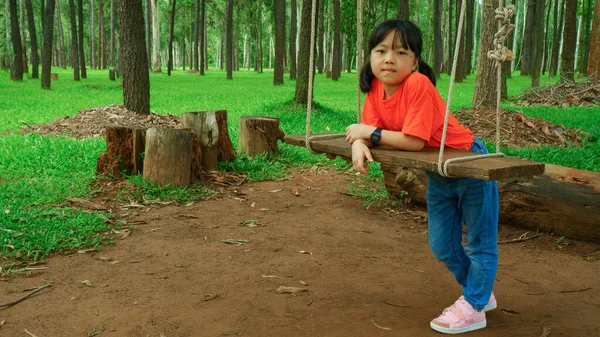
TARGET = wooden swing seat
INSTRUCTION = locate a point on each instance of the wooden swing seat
(484, 169)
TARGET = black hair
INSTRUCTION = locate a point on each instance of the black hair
(410, 37)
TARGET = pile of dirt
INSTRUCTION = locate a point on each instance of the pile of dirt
(516, 129)
(93, 122)
(585, 94)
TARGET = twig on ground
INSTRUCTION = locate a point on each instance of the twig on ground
(522, 238)
(3, 305)
(396, 305)
(584, 90)
(575, 291)
(380, 327)
(545, 332)
(29, 333)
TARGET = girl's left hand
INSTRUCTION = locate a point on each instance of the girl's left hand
(358, 131)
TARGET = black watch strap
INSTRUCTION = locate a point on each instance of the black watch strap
(376, 136)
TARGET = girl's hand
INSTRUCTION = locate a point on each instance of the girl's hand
(360, 152)
(358, 131)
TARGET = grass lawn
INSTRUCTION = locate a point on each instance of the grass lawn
(38, 172)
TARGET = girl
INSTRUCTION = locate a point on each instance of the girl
(403, 110)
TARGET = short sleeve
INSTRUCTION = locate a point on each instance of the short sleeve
(420, 109)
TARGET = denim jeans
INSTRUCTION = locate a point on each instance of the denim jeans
(452, 202)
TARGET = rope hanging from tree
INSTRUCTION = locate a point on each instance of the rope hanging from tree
(499, 54)
(359, 62)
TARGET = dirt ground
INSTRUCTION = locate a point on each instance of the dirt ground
(366, 273)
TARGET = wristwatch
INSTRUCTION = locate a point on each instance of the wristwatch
(376, 136)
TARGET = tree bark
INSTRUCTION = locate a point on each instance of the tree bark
(125, 147)
(468, 53)
(563, 200)
(148, 27)
(168, 156)
(211, 128)
(459, 76)
(450, 39)
(293, 38)
(320, 44)
(584, 58)
(403, 11)
(101, 36)
(336, 67)
(92, 36)
(279, 17)
(80, 39)
(113, 58)
(302, 80)
(48, 24)
(74, 44)
(155, 37)
(15, 34)
(486, 80)
(528, 52)
(202, 33)
(171, 33)
(594, 57)
(567, 68)
(537, 56)
(195, 45)
(35, 60)
(258, 136)
(555, 42)
(229, 39)
(136, 80)
(438, 52)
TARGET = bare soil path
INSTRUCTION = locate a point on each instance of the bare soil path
(365, 271)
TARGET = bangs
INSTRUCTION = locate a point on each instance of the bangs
(400, 40)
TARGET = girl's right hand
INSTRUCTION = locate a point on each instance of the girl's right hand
(360, 152)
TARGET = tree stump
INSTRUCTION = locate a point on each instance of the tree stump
(211, 127)
(54, 76)
(124, 148)
(563, 200)
(168, 156)
(111, 74)
(259, 135)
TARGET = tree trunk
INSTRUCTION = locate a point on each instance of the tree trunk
(136, 80)
(168, 156)
(196, 34)
(588, 17)
(124, 152)
(279, 17)
(302, 80)
(438, 53)
(569, 41)
(459, 76)
(15, 34)
(258, 136)
(403, 11)
(35, 60)
(74, 44)
(48, 24)
(202, 33)
(113, 58)
(594, 57)
(486, 80)
(293, 38)
(563, 200)
(148, 27)
(555, 42)
(450, 39)
(155, 37)
(211, 128)
(537, 56)
(528, 52)
(171, 29)
(468, 52)
(336, 67)
(320, 44)
(80, 39)
(101, 36)
(229, 39)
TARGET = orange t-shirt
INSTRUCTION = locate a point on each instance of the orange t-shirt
(415, 109)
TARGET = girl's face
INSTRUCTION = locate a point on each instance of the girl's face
(391, 63)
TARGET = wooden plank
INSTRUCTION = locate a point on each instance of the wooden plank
(484, 169)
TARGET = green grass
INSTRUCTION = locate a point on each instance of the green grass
(38, 172)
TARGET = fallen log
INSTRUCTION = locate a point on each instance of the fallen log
(563, 201)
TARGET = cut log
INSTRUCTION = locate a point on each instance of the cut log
(563, 201)
(54, 76)
(259, 135)
(211, 127)
(111, 74)
(168, 156)
(484, 169)
(124, 149)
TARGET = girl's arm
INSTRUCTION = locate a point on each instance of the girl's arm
(394, 139)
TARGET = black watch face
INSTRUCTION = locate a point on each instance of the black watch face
(375, 138)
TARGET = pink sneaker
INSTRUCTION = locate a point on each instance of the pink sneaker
(458, 318)
(491, 305)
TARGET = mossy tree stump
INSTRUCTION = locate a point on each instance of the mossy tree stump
(213, 136)
(259, 135)
(168, 156)
(124, 149)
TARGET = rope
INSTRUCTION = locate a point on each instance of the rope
(308, 138)
(499, 54)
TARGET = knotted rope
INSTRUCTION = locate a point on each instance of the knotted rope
(499, 54)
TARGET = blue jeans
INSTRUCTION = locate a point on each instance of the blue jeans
(452, 202)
